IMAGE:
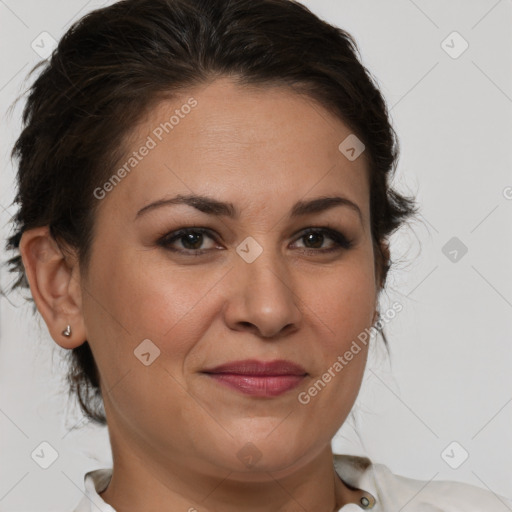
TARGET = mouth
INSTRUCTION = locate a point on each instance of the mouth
(258, 378)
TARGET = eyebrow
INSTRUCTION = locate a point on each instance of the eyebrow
(217, 208)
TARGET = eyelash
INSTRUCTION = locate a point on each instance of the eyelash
(341, 241)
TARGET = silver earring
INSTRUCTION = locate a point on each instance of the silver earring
(67, 331)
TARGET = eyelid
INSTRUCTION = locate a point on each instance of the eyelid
(340, 239)
(176, 234)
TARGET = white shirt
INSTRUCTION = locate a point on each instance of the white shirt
(380, 491)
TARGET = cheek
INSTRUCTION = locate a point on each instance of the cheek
(129, 303)
(135, 297)
(343, 301)
(341, 305)
(145, 298)
(345, 308)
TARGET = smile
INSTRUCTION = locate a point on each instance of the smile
(266, 385)
(258, 378)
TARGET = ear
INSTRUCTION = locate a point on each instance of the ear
(54, 281)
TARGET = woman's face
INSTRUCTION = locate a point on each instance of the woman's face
(252, 286)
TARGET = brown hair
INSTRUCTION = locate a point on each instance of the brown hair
(115, 63)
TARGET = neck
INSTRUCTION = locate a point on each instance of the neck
(143, 480)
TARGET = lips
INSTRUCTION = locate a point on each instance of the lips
(259, 368)
(258, 378)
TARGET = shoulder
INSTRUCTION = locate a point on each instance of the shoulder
(435, 495)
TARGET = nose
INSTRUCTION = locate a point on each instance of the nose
(263, 298)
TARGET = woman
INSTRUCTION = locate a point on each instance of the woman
(205, 207)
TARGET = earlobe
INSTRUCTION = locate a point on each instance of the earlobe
(55, 286)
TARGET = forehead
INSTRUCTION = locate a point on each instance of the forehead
(248, 144)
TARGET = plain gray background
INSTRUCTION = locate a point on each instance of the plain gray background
(451, 348)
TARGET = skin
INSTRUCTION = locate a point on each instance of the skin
(175, 433)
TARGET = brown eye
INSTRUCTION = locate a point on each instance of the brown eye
(190, 239)
(315, 238)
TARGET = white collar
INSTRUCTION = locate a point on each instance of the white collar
(359, 474)
(95, 482)
(356, 472)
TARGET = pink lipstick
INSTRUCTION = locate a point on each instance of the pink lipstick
(259, 378)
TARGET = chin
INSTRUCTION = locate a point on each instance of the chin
(252, 457)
